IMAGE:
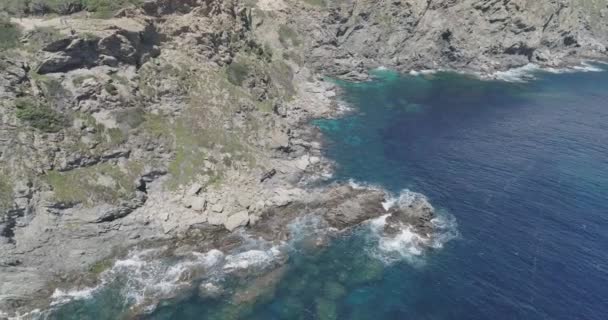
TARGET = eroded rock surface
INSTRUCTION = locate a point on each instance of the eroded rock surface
(184, 119)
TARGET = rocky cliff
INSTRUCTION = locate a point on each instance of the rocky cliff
(143, 121)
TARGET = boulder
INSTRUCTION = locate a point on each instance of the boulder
(236, 220)
(198, 203)
(279, 139)
(194, 189)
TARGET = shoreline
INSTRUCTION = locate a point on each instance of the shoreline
(224, 240)
(322, 167)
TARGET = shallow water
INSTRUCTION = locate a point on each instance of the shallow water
(523, 168)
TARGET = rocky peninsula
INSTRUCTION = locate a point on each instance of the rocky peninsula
(140, 123)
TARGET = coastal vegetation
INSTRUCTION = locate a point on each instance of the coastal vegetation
(89, 185)
(9, 33)
(39, 115)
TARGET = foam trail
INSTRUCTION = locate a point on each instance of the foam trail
(521, 74)
(423, 72)
(145, 277)
(527, 72)
(61, 296)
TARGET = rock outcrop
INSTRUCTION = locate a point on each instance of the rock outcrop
(188, 119)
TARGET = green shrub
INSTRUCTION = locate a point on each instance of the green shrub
(9, 34)
(237, 72)
(39, 116)
(83, 185)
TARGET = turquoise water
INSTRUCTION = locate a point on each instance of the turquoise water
(523, 169)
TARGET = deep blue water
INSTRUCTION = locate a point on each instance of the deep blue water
(523, 168)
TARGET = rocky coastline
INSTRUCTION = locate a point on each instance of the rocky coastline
(185, 122)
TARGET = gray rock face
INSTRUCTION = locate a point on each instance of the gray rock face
(223, 108)
(476, 35)
(112, 47)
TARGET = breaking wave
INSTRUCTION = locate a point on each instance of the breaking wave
(528, 72)
(407, 245)
(145, 277)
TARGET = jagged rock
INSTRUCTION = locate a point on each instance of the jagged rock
(118, 46)
(236, 220)
(194, 189)
(57, 45)
(107, 213)
(59, 62)
(417, 213)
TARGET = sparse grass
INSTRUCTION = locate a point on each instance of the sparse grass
(39, 115)
(104, 182)
(132, 118)
(288, 37)
(116, 137)
(156, 125)
(318, 3)
(110, 88)
(41, 36)
(9, 34)
(237, 72)
(51, 87)
(100, 8)
(107, 8)
(189, 155)
(6, 193)
(79, 80)
(282, 75)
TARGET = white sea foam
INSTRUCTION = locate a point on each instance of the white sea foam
(35, 314)
(586, 67)
(520, 74)
(424, 72)
(363, 186)
(61, 296)
(406, 244)
(404, 199)
(527, 72)
(256, 259)
(145, 277)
